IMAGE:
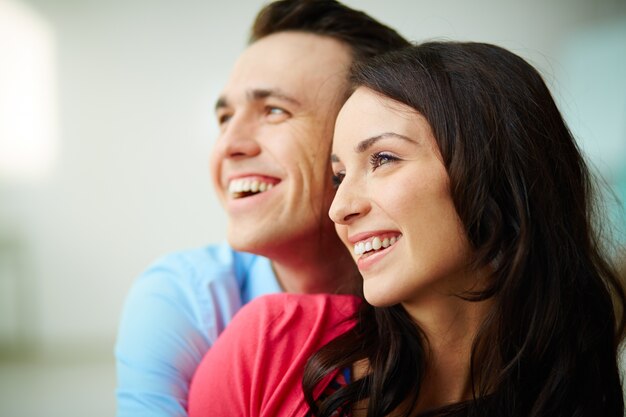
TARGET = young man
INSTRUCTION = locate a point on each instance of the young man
(270, 168)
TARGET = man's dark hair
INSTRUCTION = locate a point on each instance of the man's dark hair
(364, 35)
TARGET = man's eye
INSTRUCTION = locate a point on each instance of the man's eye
(382, 158)
(223, 118)
(276, 114)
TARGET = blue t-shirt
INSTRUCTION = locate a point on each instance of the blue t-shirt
(173, 314)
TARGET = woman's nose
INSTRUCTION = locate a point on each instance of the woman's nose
(349, 204)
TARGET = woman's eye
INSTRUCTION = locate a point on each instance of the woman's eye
(381, 158)
(338, 178)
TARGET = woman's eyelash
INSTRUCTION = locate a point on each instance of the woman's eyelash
(338, 178)
(381, 158)
(376, 160)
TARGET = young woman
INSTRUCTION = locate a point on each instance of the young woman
(469, 210)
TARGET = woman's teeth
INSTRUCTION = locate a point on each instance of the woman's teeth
(374, 244)
(244, 187)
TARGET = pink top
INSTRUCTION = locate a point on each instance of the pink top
(256, 366)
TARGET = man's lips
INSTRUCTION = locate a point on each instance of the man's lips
(245, 186)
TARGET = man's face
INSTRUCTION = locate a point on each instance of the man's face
(270, 163)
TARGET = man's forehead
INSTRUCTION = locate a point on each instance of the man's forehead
(287, 60)
(297, 46)
(298, 67)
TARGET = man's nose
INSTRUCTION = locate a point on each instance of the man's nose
(239, 138)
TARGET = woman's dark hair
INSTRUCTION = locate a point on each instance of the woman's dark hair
(364, 35)
(548, 346)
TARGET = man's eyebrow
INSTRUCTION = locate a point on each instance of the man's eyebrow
(367, 143)
(221, 103)
(259, 94)
(262, 93)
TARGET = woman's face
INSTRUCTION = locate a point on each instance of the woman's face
(393, 207)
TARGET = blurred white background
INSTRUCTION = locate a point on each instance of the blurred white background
(106, 122)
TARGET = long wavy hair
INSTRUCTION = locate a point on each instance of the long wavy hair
(548, 346)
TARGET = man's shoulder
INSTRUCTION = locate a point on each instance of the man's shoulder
(200, 265)
(202, 286)
(202, 277)
(205, 258)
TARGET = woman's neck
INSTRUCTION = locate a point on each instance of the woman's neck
(450, 325)
(450, 329)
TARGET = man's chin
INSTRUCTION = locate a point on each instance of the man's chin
(248, 241)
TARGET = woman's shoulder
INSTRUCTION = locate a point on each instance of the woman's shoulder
(307, 321)
(286, 307)
(270, 340)
(277, 302)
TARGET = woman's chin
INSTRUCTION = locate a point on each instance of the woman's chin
(376, 299)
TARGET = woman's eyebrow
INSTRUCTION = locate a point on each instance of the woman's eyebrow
(367, 143)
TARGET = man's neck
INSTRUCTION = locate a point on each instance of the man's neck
(316, 268)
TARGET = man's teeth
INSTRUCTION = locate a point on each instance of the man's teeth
(239, 186)
(374, 244)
